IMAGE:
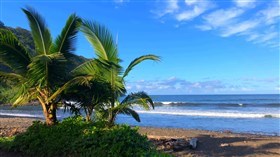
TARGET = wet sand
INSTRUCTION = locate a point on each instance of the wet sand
(210, 143)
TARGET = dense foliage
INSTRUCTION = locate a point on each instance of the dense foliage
(75, 137)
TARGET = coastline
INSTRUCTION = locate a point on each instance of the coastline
(210, 143)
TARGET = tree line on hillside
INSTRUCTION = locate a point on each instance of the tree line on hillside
(36, 67)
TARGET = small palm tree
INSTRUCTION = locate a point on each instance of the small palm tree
(86, 96)
(106, 67)
(40, 73)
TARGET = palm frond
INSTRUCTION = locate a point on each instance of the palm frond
(139, 98)
(64, 43)
(40, 72)
(7, 77)
(130, 112)
(24, 95)
(139, 60)
(79, 80)
(91, 67)
(102, 40)
(39, 31)
(12, 52)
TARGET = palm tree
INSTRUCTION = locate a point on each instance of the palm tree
(106, 67)
(40, 73)
(84, 95)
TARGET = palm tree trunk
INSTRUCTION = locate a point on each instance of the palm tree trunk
(88, 111)
(111, 119)
(88, 115)
(50, 114)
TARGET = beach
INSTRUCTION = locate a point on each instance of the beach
(210, 143)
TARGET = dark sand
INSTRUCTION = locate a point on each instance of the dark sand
(210, 142)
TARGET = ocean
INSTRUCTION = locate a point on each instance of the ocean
(257, 114)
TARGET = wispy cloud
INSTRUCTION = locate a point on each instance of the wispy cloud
(221, 18)
(261, 80)
(169, 7)
(175, 85)
(194, 8)
(239, 28)
(121, 1)
(183, 10)
(255, 21)
(245, 3)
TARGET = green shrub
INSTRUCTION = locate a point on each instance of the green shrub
(6, 142)
(75, 137)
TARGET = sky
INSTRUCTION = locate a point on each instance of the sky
(206, 47)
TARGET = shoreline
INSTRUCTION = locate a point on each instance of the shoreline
(154, 127)
(210, 143)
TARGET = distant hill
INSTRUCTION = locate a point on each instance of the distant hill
(26, 39)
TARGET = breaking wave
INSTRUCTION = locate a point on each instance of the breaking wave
(170, 103)
(213, 114)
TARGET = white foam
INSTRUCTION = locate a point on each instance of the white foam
(168, 102)
(213, 114)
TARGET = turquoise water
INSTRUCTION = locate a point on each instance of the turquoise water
(239, 113)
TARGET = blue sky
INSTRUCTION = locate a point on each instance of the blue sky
(207, 47)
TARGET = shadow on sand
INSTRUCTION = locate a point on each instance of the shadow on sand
(236, 146)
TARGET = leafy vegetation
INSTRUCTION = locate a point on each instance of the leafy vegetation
(75, 137)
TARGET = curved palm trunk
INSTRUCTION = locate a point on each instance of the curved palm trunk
(49, 108)
(111, 117)
(50, 114)
(88, 111)
(49, 111)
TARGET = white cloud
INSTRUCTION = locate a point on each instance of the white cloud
(175, 85)
(239, 28)
(190, 14)
(253, 36)
(171, 6)
(191, 2)
(121, 1)
(255, 21)
(194, 9)
(268, 36)
(271, 14)
(221, 17)
(204, 27)
(182, 11)
(260, 28)
(245, 3)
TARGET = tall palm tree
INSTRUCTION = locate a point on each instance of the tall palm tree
(107, 68)
(40, 73)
